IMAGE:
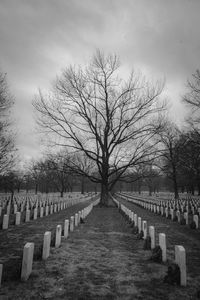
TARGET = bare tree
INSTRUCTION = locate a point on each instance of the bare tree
(112, 121)
(7, 150)
(171, 147)
(192, 98)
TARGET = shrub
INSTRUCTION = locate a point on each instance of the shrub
(193, 225)
(173, 274)
(82, 221)
(140, 235)
(132, 224)
(183, 221)
(147, 243)
(135, 230)
(157, 254)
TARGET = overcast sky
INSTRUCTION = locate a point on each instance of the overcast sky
(40, 37)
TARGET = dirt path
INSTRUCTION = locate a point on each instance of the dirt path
(101, 259)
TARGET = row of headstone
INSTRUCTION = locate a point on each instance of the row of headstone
(180, 255)
(42, 211)
(28, 251)
(164, 211)
(192, 206)
(25, 203)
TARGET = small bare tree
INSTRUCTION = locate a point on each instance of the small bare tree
(91, 110)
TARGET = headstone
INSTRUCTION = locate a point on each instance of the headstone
(166, 212)
(135, 219)
(5, 222)
(79, 216)
(35, 212)
(46, 245)
(178, 214)
(27, 218)
(27, 261)
(162, 210)
(186, 217)
(41, 211)
(144, 228)
(152, 236)
(132, 216)
(46, 210)
(51, 209)
(66, 228)
(196, 220)
(162, 244)
(58, 236)
(172, 213)
(139, 224)
(17, 218)
(15, 208)
(76, 220)
(180, 259)
(0, 211)
(192, 210)
(8, 209)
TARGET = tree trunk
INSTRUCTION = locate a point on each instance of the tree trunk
(104, 194)
(36, 188)
(176, 195)
(82, 185)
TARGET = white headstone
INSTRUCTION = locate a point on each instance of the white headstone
(15, 208)
(139, 224)
(17, 218)
(58, 236)
(166, 212)
(27, 261)
(135, 219)
(35, 211)
(66, 228)
(46, 245)
(172, 213)
(178, 215)
(41, 212)
(27, 218)
(72, 223)
(186, 217)
(152, 236)
(76, 220)
(5, 222)
(180, 259)
(162, 244)
(196, 220)
(144, 228)
(46, 210)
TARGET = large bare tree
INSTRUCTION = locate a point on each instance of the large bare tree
(112, 121)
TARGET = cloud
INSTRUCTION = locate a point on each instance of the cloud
(39, 38)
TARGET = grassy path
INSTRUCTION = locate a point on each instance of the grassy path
(101, 259)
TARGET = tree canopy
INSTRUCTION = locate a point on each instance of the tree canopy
(111, 121)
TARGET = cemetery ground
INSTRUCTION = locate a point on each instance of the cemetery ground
(103, 259)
